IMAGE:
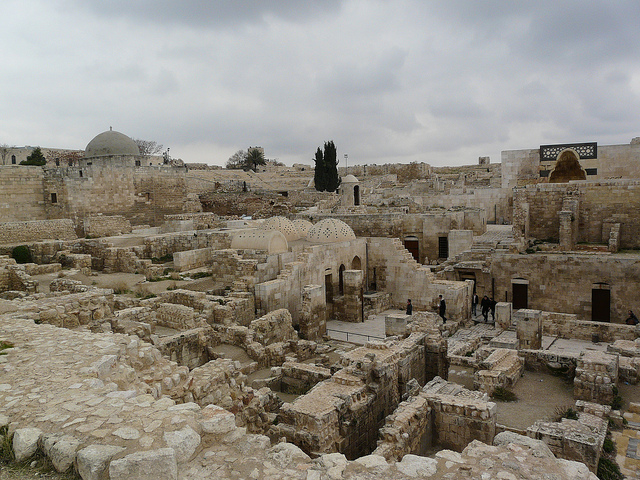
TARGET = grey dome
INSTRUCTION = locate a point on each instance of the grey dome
(111, 143)
(330, 230)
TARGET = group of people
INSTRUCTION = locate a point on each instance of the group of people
(486, 305)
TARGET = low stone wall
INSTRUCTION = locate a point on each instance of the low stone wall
(191, 259)
(177, 317)
(579, 440)
(106, 226)
(188, 348)
(299, 378)
(502, 368)
(596, 377)
(16, 233)
(568, 326)
(74, 309)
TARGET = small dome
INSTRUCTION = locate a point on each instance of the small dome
(349, 179)
(282, 225)
(302, 226)
(111, 143)
(330, 230)
(272, 242)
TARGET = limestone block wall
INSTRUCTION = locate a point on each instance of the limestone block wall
(199, 221)
(16, 233)
(177, 317)
(596, 377)
(105, 226)
(350, 308)
(568, 326)
(563, 282)
(157, 246)
(72, 310)
(317, 265)
(459, 420)
(273, 327)
(301, 377)
(494, 204)
(579, 440)
(502, 368)
(313, 323)
(600, 203)
(397, 273)
(21, 193)
(188, 348)
(227, 267)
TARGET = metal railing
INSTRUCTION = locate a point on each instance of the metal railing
(352, 334)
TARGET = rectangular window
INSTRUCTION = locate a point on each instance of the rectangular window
(54, 198)
(591, 171)
(544, 173)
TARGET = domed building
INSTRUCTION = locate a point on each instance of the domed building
(349, 191)
(111, 143)
(330, 230)
(115, 149)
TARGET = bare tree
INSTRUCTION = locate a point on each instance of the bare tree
(148, 147)
(4, 152)
(237, 161)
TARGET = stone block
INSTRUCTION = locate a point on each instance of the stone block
(150, 465)
(93, 461)
(25, 443)
(396, 324)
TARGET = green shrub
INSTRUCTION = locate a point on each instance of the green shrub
(4, 346)
(608, 446)
(6, 445)
(22, 254)
(609, 470)
(617, 402)
(504, 395)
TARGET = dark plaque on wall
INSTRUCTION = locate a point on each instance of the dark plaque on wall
(585, 150)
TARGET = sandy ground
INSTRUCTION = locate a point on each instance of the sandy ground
(539, 395)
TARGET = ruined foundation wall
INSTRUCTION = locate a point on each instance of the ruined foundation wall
(21, 193)
(106, 226)
(15, 233)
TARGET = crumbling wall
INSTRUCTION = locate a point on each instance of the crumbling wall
(105, 226)
(596, 377)
(16, 233)
(74, 309)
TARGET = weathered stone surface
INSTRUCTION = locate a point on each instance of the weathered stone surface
(415, 466)
(93, 461)
(61, 450)
(538, 447)
(284, 454)
(150, 465)
(184, 442)
(372, 461)
(25, 442)
(217, 420)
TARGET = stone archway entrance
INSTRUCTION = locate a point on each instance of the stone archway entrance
(567, 167)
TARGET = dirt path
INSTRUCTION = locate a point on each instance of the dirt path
(539, 395)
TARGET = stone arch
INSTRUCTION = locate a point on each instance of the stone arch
(356, 264)
(567, 167)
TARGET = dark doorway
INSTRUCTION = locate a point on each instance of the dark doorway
(520, 295)
(443, 247)
(601, 304)
(341, 280)
(413, 245)
(356, 195)
(328, 287)
(468, 276)
(356, 264)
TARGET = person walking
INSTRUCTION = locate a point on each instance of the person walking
(409, 307)
(485, 305)
(474, 304)
(442, 308)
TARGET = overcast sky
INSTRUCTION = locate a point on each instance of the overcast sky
(388, 81)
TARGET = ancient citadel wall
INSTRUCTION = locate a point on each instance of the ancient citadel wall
(521, 167)
(599, 204)
(577, 273)
(21, 193)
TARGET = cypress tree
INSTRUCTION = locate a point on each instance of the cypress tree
(331, 167)
(319, 174)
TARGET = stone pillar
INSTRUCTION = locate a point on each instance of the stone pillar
(614, 238)
(530, 329)
(459, 241)
(396, 324)
(313, 324)
(353, 290)
(566, 230)
(503, 315)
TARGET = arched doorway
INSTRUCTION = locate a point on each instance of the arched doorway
(341, 280)
(356, 195)
(567, 167)
(356, 264)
